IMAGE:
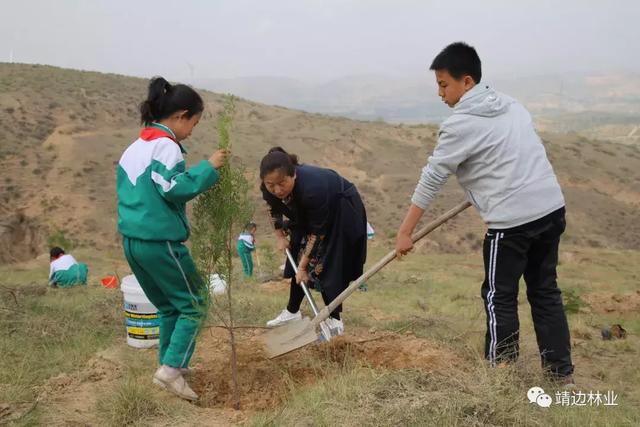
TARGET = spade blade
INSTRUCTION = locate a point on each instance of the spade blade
(289, 337)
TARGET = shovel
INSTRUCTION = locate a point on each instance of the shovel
(300, 325)
(299, 334)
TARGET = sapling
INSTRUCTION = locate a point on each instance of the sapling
(218, 216)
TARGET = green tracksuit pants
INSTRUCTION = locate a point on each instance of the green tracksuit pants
(246, 258)
(75, 275)
(167, 274)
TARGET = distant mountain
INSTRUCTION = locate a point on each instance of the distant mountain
(558, 103)
(365, 97)
(282, 91)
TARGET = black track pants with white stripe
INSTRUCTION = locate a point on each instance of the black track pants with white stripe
(529, 250)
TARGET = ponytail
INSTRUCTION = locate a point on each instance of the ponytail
(278, 158)
(164, 99)
(292, 157)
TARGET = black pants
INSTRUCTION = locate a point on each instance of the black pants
(296, 295)
(529, 250)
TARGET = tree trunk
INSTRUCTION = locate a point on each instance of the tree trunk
(232, 337)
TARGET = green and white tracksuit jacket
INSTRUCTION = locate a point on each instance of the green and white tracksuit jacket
(65, 272)
(153, 186)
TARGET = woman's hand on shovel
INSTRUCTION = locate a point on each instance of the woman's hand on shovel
(302, 276)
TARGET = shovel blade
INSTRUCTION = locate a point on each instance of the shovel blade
(289, 337)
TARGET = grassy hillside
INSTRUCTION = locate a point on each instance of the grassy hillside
(65, 130)
(412, 354)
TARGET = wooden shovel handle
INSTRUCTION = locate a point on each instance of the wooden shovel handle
(324, 313)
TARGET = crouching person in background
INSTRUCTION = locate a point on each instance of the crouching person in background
(65, 271)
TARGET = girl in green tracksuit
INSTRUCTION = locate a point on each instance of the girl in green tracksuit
(153, 186)
(246, 245)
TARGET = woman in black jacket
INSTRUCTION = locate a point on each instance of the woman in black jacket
(327, 228)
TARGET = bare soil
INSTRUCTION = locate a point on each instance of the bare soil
(264, 383)
(609, 302)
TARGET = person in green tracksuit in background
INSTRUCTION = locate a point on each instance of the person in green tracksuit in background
(153, 186)
(65, 271)
(246, 245)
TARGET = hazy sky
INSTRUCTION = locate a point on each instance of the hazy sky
(317, 40)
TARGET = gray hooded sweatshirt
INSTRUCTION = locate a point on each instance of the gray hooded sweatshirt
(490, 144)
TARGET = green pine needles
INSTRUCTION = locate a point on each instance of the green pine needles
(221, 213)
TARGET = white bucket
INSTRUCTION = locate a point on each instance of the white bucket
(217, 285)
(143, 325)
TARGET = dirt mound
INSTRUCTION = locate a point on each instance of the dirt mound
(391, 351)
(71, 398)
(264, 383)
(608, 302)
(99, 369)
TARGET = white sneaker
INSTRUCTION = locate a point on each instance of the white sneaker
(284, 317)
(173, 381)
(336, 326)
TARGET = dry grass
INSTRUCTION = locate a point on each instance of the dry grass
(479, 397)
(433, 299)
(130, 403)
(444, 305)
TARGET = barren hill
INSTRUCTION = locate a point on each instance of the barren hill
(63, 131)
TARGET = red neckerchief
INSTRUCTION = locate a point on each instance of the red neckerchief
(151, 133)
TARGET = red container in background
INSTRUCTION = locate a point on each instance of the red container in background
(110, 282)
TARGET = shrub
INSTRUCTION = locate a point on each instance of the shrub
(572, 301)
(58, 238)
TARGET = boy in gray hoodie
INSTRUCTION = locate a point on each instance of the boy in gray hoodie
(490, 144)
